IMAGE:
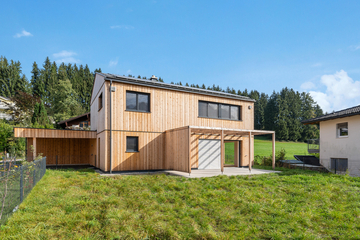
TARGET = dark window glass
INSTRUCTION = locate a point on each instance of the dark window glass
(131, 101)
(213, 110)
(143, 100)
(132, 144)
(100, 102)
(343, 129)
(225, 111)
(218, 110)
(235, 113)
(339, 164)
(203, 109)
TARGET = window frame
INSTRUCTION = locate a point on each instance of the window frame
(219, 111)
(334, 160)
(137, 144)
(100, 102)
(338, 130)
(137, 102)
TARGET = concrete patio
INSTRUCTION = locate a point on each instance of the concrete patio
(228, 171)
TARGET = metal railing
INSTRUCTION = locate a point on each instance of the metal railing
(16, 182)
(313, 145)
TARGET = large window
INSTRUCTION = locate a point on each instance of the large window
(342, 129)
(136, 101)
(132, 144)
(219, 110)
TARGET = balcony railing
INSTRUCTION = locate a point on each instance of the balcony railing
(313, 145)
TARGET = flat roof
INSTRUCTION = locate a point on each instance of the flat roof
(174, 87)
(338, 114)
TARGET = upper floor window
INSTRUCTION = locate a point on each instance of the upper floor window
(132, 144)
(342, 129)
(136, 101)
(100, 101)
(219, 110)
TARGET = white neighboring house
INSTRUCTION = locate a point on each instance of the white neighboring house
(339, 146)
(4, 107)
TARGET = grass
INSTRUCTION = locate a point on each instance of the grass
(294, 204)
(263, 147)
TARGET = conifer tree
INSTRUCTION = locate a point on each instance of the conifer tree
(37, 82)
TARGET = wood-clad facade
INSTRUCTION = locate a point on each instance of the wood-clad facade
(146, 125)
(164, 136)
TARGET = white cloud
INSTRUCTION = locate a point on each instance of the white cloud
(113, 63)
(307, 85)
(66, 57)
(23, 34)
(354, 48)
(341, 92)
(128, 71)
(127, 27)
(316, 65)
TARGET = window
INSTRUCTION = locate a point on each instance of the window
(137, 101)
(100, 101)
(339, 164)
(84, 124)
(342, 129)
(132, 144)
(219, 110)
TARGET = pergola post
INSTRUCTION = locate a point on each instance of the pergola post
(222, 151)
(189, 138)
(273, 150)
(250, 151)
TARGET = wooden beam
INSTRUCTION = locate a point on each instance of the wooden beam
(273, 150)
(250, 157)
(189, 147)
(222, 151)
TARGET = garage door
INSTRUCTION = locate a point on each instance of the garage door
(209, 154)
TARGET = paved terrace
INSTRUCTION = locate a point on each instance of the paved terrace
(228, 171)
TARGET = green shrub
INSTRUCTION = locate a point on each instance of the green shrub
(267, 160)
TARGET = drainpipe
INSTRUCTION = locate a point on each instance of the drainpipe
(110, 130)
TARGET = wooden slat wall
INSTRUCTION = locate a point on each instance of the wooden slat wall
(68, 150)
(170, 110)
(52, 133)
(149, 157)
(244, 147)
(177, 150)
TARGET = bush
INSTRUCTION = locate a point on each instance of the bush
(267, 160)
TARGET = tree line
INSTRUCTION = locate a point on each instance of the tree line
(56, 93)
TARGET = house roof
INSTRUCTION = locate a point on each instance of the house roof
(74, 118)
(339, 114)
(156, 84)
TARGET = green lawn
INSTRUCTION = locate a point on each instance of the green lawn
(263, 147)
(294, 204)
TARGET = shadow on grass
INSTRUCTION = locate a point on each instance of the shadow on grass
(73, 169)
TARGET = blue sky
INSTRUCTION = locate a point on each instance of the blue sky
(311, 46)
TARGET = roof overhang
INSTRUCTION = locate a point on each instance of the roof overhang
(226, 131)
(52, 133)
(174, 87)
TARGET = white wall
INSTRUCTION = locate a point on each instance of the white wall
(348, 147)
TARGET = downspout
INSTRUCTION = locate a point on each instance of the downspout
(110, 131)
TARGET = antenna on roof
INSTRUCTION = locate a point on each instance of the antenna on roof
(153, 78)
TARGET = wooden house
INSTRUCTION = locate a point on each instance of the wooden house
(139, 124)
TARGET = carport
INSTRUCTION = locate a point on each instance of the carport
(61, 147)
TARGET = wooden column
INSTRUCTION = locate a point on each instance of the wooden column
(31, 152)
(250, 155)
(189, 137)
(273, 150)
(222, 151)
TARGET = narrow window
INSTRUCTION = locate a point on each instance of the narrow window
(339, 164)
(225, 111)
(235, 113)
(139, 102)
(132, 144)
(342, 129)
(100, 102)
(203, 107)
(213, 110)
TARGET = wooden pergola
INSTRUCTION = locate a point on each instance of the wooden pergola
(223, 132)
